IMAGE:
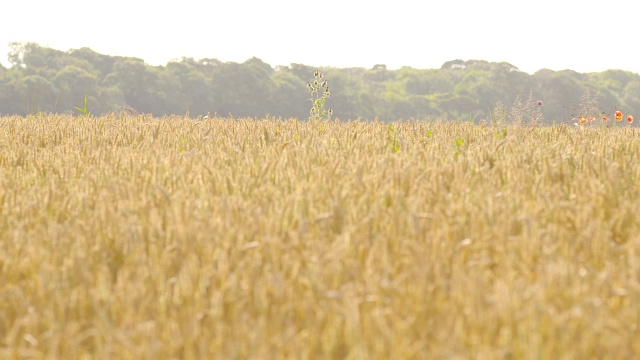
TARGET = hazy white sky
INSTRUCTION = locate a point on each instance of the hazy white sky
(552, 34)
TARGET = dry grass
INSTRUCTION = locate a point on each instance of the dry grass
(143, 238)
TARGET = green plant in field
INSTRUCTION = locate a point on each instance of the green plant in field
(34, 110)
(458, 143)
(38, 114)
(392, 139)
(84, 110)
(429, 133)
(319, 91)
(501, 134)
(184, 144)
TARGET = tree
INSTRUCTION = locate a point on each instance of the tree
(74, 84)
(35, 59)
(187, 88)
(13, 99)
(290, 96)
(242, 90)
(40, 93)
(95, 62)
(139, 84)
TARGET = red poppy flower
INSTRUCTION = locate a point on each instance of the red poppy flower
(618, 115)
(605, 118)
(630, 119)
(583, 120)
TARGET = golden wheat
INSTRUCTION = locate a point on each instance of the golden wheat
(142, 238)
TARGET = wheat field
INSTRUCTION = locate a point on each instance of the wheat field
(175, 238)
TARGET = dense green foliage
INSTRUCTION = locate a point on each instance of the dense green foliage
(47, 80)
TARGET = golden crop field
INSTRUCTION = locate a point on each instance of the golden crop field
(171, 238)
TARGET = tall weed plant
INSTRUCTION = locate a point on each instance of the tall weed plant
(319, 90)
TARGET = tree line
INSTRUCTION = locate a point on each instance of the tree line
(42, 79)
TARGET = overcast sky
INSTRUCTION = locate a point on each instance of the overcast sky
(557, 35)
